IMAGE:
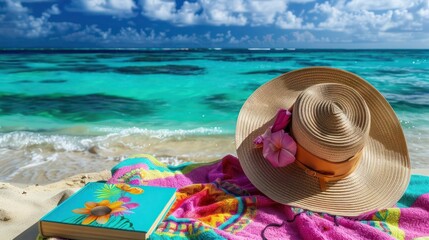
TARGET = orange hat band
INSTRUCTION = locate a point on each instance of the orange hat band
(325, 170)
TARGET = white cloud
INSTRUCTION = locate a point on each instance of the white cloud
(226, 37)
(350, 17)
(117, 8)
(159, 9)
(343, 19)
(18, 22)
(304, 36)
(337, 19)
(307, 36)
(127, 35)
(89, 34)
(289, 21)
(371, 21)
(265, 12)
(260, 12)
(54, 10)
(360, 18)
(401, 20)
(33, 1)
(165, 10)
(184, 38)
(134, 37)
(14, 7)
(382, 4)
(240, 40)
(219, 37)
(212, 12)
(424, 13)
(224, 12)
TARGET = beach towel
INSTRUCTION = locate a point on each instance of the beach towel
(216, 201)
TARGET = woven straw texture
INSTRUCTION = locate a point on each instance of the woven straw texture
(331, 120)
(363, 118)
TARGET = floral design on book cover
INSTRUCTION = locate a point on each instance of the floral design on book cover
(111, 210)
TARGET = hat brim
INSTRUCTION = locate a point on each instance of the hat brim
(379, 180)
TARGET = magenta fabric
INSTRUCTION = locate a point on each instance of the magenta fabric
(217, 201)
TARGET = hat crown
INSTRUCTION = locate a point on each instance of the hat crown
(331, 121)
(331, 116)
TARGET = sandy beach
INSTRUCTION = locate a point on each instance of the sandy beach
(23, 205)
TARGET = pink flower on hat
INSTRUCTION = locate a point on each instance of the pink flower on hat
(283, 118)
(259, 141)
(279, 148)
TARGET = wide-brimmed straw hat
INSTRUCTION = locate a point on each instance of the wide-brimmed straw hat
(351, 155)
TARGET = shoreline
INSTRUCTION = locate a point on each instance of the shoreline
(24, 204)
(420, 171)
(51, 161)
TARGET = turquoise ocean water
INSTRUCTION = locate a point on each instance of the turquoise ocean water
(64, 112)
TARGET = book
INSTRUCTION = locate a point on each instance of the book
(109, 212)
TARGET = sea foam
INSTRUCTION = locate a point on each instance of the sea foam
(43, 157)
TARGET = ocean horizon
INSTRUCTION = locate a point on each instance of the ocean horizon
(68, 111)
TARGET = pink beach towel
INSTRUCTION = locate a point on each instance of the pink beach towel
(216, 201)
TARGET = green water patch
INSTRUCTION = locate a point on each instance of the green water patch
(343, 59)
(7, 66)
(162, 58)
(47, 81)
(49, 59)
(134, 70)
(80, 108)
(222, 58)
(269, 59)
(143, 56)
(399, 71)
(306, 63)
(401, 105)
(22, 81)
(82, 58)
(53, 81)
(408, 89)
(222, 102)
(165, 69)
(374, 57)
(268, 72)
(247, 58)
(93, 67)
(251, 86)
(65, 60)
(106, 56)
(69, 67)
(116, 55)
(410, 103)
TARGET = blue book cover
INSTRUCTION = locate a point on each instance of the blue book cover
(122, 207)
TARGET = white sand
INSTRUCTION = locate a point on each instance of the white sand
(420, 171)
(22, 207)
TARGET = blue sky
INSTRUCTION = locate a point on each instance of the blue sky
(215, 23)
